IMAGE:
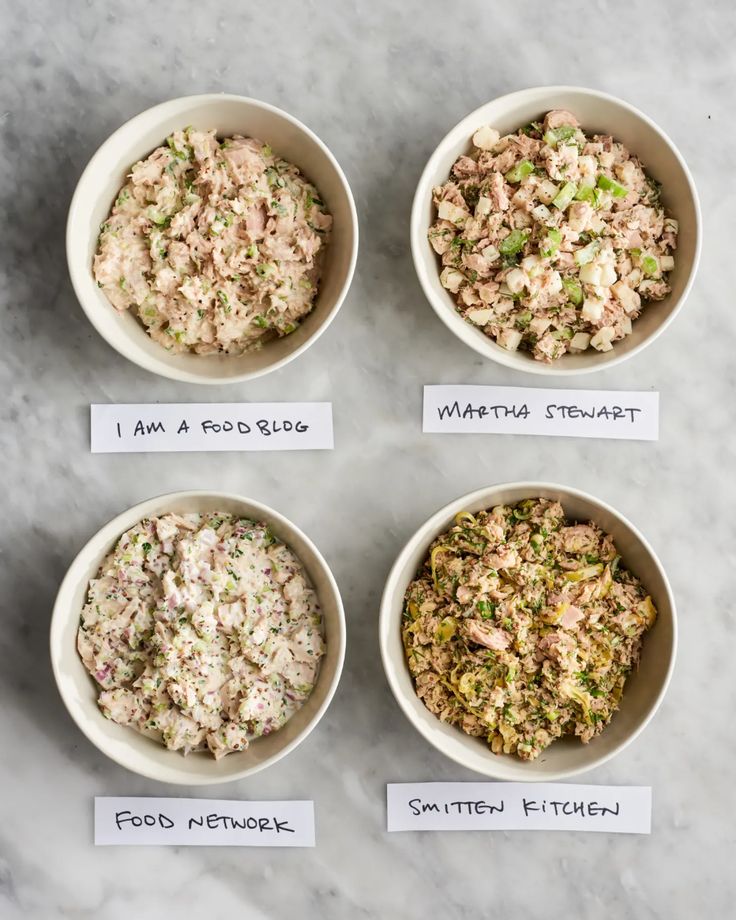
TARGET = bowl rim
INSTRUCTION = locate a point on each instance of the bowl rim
(75, 271)
(441, 307)
(61, 613)
(385, 624)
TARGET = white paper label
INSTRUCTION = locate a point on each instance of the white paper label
(468, 409)
(518, 806)
(210, 427)
(202, 823)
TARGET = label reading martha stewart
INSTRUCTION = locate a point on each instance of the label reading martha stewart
(466, 409)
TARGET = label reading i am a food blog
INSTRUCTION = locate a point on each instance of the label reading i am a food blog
(211, 427)
(133, 821)
(518, 807)
(467, 409)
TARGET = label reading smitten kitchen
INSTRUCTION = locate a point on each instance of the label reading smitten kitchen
(202, 823)
(211, 427)
(466, 409)
(518, 807)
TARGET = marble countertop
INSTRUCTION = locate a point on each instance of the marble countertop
(381, 83)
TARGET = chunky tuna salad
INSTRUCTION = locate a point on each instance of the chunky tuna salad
(522, 627)
(215, 245)
(201, 631)
(551, 240)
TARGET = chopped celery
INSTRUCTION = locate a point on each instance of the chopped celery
(446, 630)
(565, 195)
(551, 244)
(553, 137)
(520, 171)
(588, 571)
(610, 185)
(514, 242)
(523, 319)
(586, 193)
(574, 290)
(587, 253)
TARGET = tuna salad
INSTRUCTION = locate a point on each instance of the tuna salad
(522, 626)
(215, 245)
(551, 240)
(201, 631)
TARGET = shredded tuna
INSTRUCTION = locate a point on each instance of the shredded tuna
(561, 236)
(215, 245)
(539, 650)
(201, 631)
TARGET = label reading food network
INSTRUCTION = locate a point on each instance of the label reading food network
(468, 409)
(158, 427)
(518, 807)
(133, 821)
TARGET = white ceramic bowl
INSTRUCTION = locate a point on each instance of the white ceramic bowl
(103, 178)
(143, 755)
(644, 688)
(597, 112)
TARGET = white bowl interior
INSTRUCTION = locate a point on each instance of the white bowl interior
(644, 687)
(597, 113)
(229, 115)
(144, 755)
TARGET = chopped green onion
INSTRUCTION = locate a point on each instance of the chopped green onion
(574, 290)
(649, 265)
(565, 195)
(520, 171)
(261, 322)
(179, 154)
(514, 242)
(610, 185)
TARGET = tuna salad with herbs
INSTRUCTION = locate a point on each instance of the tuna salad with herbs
(522, 626)
(551, 240)
(201, 631)
(215, 245)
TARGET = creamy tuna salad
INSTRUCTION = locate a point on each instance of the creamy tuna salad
(522, 627)
(551, 240)
(215, 245)
(201, 631)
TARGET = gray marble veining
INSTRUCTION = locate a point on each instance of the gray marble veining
(381, 82)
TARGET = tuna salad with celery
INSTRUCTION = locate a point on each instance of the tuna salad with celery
(215, 245)
(551, 240)
(522, 627)
(202, 632)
